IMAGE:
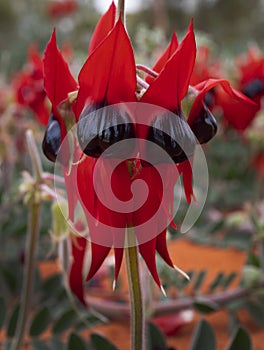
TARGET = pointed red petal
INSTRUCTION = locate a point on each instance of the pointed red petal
(170, 50)
(170, 87)
(99, 253)
(58, 80)
(104, 26)
(162, 248)
(109, 74)
(148, 252)
(185, 168)
(119, 252)
(78, 245)
(239, 110)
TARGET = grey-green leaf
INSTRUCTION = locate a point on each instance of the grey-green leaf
(99, 342)
(76, 342)
(40, 322)
(65, 321)
(2, 312)
(156, 339)
(203, 337)
(205, 306)
(240, 340)
(11, 328)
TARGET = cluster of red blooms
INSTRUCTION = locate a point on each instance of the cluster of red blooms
(108, 77)
(60, 8)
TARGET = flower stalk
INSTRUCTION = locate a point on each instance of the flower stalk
(34, 205)
(137, 321)
(121, 10)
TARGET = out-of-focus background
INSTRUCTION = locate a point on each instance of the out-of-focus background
(231, 25)
(225, 248)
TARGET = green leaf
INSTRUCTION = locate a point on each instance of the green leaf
(56, 344)
(205, 306)
(39, 345)
(203, 337)
(11, 328)
(76, 342)
(40, 322)
(2, 312)
(240, 340)
(229, 279)
(216, 282)
(156, 339)
(256, 311)
(53, 283)
(199, 280)
(99, 342)
(10, 279)
(65, 321)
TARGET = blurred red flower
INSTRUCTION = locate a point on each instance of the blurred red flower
(60, 8)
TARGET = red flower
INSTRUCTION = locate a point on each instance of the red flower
(28, 86)
(108, 77)
(61, 8)
(59, 83)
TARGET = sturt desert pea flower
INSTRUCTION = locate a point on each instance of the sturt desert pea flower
(28, 86)
(109, 77)
(59, 84)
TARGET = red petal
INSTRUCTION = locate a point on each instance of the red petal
(119, 252)
(76, 271)
(58, 80)
(172, 84)
(109, 74)
(99, 253)
(159, 65)
(148, 252)
(185, 168)
(238, 109)
(162, 248)
(104, 26)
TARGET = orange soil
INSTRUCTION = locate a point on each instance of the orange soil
(188, 256)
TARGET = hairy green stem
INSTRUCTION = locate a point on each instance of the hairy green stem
(136, 300)
(30, 265)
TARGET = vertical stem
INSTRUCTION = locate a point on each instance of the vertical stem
(121, 10)
(30, 264)
(136, 300)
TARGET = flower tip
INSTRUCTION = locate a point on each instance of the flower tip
(163, 291)
(184, 274)
(114, 285)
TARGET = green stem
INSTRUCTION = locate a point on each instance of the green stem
(136, 300)
(30, 264)
(121, 10)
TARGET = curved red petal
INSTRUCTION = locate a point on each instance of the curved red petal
(238, 108)
(185, 168)
(148, 252)
(104, 26)
(58, 80)
(119, 252)
(109, 74)
(78, 245)
(172, 84)
(162, 248)
(99, 253)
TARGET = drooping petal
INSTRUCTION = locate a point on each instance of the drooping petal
(162, 248)
(171, 85)
(148, 253)
(239, 110)
(185, 168)
(99, 254)
(78, 245)
(103, 27)
(58, 80)
(109, 74)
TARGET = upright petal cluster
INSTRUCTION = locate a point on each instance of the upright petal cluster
(108, 78)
